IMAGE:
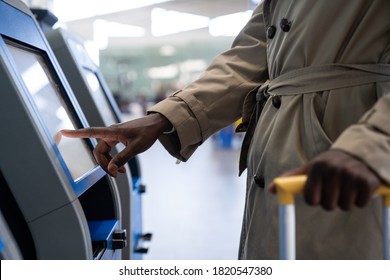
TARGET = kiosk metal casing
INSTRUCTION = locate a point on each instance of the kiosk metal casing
(60, 205)
(9, 249)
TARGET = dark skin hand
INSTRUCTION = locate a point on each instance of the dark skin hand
(136, 135)
(336, 179)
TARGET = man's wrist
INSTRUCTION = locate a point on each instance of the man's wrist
(166, 126)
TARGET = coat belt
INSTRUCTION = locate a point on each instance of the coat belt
(301, 81)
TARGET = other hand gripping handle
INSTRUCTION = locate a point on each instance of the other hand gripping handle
(287, 188)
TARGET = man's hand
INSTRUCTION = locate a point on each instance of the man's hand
(336, 179)
(137, 135)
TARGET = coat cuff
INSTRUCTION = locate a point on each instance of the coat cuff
(370, 146)
(187, 136)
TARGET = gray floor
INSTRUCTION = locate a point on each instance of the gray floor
(193, 209)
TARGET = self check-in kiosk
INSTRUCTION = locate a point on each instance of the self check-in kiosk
(69, 207)
(100, 109)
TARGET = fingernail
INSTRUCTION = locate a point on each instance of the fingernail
(113, 169)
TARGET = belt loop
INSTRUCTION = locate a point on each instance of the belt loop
(261, 98)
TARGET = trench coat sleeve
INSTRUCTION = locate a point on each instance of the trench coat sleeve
(215, 100)
(369, 140)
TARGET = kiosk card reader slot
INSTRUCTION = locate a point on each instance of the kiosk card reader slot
(56, 182)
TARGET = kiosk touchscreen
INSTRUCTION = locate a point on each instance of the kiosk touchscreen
(100, 109)
(67, 202)
(54, 112)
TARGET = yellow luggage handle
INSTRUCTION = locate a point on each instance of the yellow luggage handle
(288, 186)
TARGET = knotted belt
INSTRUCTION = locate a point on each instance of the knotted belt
(301, 81)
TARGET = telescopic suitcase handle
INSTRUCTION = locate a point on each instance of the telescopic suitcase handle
(287, 188)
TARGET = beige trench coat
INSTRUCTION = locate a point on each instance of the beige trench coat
(340, 100)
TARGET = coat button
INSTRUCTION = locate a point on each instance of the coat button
(259, 181)
(271, 31)
(276, 101)
(285, 25)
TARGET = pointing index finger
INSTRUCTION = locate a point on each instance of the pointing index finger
(90, 132)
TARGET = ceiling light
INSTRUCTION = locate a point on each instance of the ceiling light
(167, 50)
(229, 25)
(163, 72)
(75, 9)
(165, 22)
(104, 29)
